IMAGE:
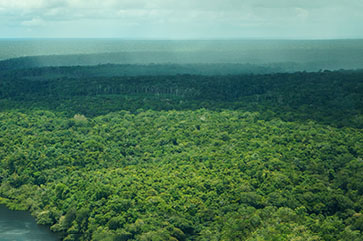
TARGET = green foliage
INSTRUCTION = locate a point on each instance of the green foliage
(161, 173)
(333, 98)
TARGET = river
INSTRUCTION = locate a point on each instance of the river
(21, 226)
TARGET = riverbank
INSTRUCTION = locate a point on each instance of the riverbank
(20, 225)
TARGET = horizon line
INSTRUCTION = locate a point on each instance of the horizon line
(174, 39)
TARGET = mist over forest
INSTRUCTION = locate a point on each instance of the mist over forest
(274, 55)
(154, 120)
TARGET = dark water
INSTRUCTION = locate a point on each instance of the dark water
(21, 226)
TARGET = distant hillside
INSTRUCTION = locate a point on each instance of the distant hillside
(302, 60)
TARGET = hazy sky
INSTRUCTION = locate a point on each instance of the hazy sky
(182, 19)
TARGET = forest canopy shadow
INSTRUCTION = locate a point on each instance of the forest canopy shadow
(329, 97)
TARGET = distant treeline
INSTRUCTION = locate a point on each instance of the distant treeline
(271, 61)
(112, 70)
(335, 97)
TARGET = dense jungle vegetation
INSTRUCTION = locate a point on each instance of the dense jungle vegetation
(184, 156)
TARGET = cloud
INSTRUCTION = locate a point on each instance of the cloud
(227, 18)
(33, 22)
(302, 13)
(31, 4)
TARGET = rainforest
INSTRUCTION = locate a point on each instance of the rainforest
(183, 151)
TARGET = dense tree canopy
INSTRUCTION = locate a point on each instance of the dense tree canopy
(184, 157)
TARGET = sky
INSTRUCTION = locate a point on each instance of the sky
(182, 19)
